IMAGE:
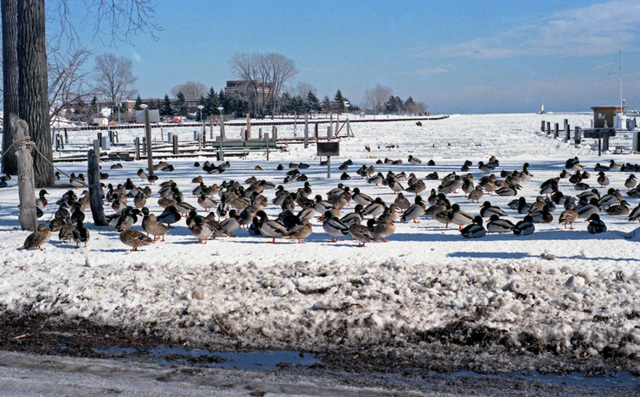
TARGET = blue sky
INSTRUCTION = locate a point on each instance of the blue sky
(456, 56)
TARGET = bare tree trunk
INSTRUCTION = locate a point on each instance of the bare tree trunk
(32, 85)
(10, 82)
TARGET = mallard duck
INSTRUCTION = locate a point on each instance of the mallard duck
(362, 234)
(354, 217)
(41, 201)
(140, 200)
(475, 229)
(269, 228)
(568, 216)
(497, 225)
(374, 209)
(586, 210)
(630, 182)
(56, 224)
(134, 238)
(476, 194)
(508, 191)
(417, 187)
(383, 229)
(486, 168)
(361, 198)
(152, 226)
(66, 232)
(414, 160)
(596, 225)
(618, 209)
(542, 216)
(486, 210)
(402, 202)
(200, 229)
(635, 214)
(334, 227)
(80, 234)
(215, 226)
(459, 217)
(433, 176)
(206, 202)
(525, 227)
(603, 180)
(414, 211)
(37, 238)
(169, 216)
(143, 175)
(299, 232)
(376, 179)
(231, 224)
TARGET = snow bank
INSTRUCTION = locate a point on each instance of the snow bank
(559, 292)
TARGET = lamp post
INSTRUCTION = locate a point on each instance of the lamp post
(200, 107)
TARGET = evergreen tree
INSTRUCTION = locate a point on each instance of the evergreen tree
(312, 103)
(326, 104)
(181, 105)
(410, 105)
(94, 106)
(339, 102)
(138, 103)
(212, 103)
(80, 107)
(154, 105)
(167, 108)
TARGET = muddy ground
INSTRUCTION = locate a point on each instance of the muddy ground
(343, 371)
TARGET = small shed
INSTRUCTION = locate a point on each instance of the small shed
(602, 114)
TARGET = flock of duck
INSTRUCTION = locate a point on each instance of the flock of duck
(224, 209)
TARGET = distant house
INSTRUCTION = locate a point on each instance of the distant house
(604, 114)
(244, 90)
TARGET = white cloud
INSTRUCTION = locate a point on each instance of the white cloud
(431, 72)
(595, 30)
(137, 57)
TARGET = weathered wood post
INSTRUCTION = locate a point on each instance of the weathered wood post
(566, 124)
(315, 132)
(548, 127)
(567, 132)
(137, 144)
(211, 129)
(260, 137)
(275, 133)
(248, 127)
(328, 132)
(556, 128)
(242, 134)
(26, 185)
(306, 131)
(576, 136)
(220, 151)
(542, 126)
(66, 136)
(147, 128)
(175, 144)
(93, 177)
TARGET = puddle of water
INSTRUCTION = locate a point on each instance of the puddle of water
(259, 360)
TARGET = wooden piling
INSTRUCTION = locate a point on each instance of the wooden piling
(576, 136)
(175, 144)
(567, 132)
(147, 127)
(556, 131)
(306, 131)
(548, 127)
(136, 142)
(95, 198)
(542, 126)
(26, 184)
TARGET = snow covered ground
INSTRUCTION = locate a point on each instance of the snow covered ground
(426, 293)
